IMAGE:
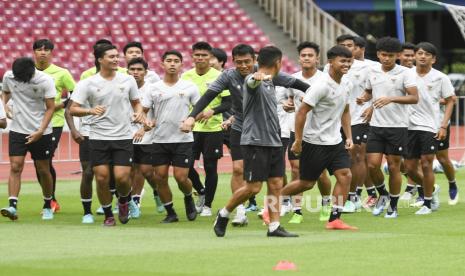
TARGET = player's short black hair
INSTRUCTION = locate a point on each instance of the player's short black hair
(133, 44)
(389, 44)
(171, 52)
(243, 49)
(101, 42)
(408, 46)
(23, 69)
(220, 55)
(308, 44)
(360, 41)
(428, 47)
(268, 55)
(202, 45)
(138, 60)
(99, 52)
(338, 51)
(46, 43)
(344, 37)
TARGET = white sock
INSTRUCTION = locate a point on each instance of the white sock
(224, 213)
(240, 210)
(273, 226)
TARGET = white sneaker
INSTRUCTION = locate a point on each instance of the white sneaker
(206, 212)
(391, 215)
(435, 202)
(285, 209)
(200, 203)
(100, 211)
(418, 202)
(239, 220)
(423, 211)
(380, 206)
(349, 207)
(406, 196)
(260, 213)
(358, 204)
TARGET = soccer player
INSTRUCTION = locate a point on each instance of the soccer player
(134, 50)
(261, 144)
(309, 56)
(93, 70)
(218, 59)
(33, 93)
(407, 55)
(208, 133)
(392, 88)
(426, 126)
(143, 156)
(3, 122)
(233, 79)
(110, 95)
(170, 100)
(63, 80)
(322, 147)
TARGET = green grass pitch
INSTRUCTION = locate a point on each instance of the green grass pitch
(409, 245)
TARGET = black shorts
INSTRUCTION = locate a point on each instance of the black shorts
(114, 152)
(226, 134)
(235, 143)
(316, 158)
(40, 150)
(285, 142)
(84, 150)
(261, 163)
(143, 154)
(420, 143)
(209, 144)
(56, 136)
(290, 154)
(175, 154)
(444, 144)
(387, 140)
(360, 133)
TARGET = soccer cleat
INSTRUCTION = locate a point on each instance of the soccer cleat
(191, 212)
(423, 211)
(220, 225)
(325, 212)
(381, 204)
(47, 214)
(286, 208)
(55, 206)
(281, 232)
(338, 224)
(134, 211)
(9, 212)
(206, 212)
(349, 207)
(296, 219)
(239, 221)
(100, 211)
(418, 202)
(88, 219)
(391, 215)
(160, 207)
(406, 196)
(453, 196)
(251, 208)
(110, 221)
(435, 203)
(115, 210)
(200, 203)
(123, 212)
(369, 202)
(170, 219)
(358, 204)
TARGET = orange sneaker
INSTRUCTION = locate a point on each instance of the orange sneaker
(338, 224)
(55, 206)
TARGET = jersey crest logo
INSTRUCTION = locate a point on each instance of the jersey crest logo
(121, 88)
(430, 87)
(181, 94)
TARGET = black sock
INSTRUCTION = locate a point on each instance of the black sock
(196, 183)
(298, 211)
(335, 213)
(452, 185)
(211, 180)
(107, 210)
(252, 201)
(393, 203)
(155, 193)
(13, 202)
(136, 199)
(47, 203)
(427, 202)
(352, 196)
(87, 206)
(382, 190)
(420, 191)
(54, 179)
(371, 191)
(409, 188)
(169, 209)
(359, 191)
(124, 199)
(188, 196)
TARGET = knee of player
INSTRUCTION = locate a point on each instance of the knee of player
(394, 167)
(307, 184)
(16, 168)
(238, 170)
(180, 177)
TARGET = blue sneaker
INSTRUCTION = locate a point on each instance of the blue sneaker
(47, 214)
(9, 212)
(134, 211)
(453, 196)
(88, 219)
(251, 208)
